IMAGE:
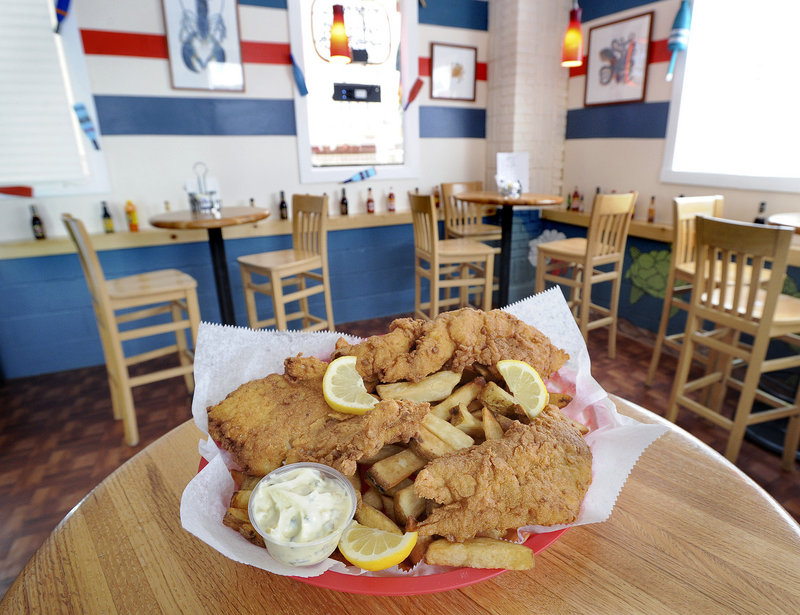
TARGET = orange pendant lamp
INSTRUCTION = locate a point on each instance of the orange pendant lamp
(572, 50)
(340, 46)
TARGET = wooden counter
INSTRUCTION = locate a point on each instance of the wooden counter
(157, 237)
(639, 228)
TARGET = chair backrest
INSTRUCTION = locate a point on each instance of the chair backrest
(685, 210)
(426, 228)
(731, 257)
(460, 213)
(608, 226)
(90, 264)
(310, 223)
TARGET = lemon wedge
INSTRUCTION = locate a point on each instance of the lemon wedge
(344, 388)
(525, 385)
(373, 549)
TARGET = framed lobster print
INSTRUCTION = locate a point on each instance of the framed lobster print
(616, 61)
(203, 42)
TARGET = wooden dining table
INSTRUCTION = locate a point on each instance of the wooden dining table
(214, 222)
(791, 218)
(690, 533)
(507, 204)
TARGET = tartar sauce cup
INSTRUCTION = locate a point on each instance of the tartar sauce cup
(301, 510)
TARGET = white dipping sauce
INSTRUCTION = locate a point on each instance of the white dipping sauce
(301, 512)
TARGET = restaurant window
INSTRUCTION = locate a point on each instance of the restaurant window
(49, 136)
(733, 116)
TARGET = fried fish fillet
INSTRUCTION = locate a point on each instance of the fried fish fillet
(455, 340)
(536, 474)
(285, 418)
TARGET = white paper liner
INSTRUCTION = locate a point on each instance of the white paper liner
(227, 357)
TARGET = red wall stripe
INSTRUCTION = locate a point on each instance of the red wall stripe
(17, 190)
(659, 52)
(481, 69)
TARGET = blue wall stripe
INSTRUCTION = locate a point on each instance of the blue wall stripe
(472, 14)
(146, 115)
(452, 122)
(594, 9)
(274, 4)
(633, 121)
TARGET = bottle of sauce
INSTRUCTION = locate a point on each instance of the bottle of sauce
(108, 223)
(761, 216)
(370, 202)
(576, 197)
(343, 203)
(36, 224)
(390, 200)
(436, 197)
(651, 210)
(284, 208)
(131, 217)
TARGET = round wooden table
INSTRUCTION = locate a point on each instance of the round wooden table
(689, 534)
(507, 204)
(214, 222)
(791, 218)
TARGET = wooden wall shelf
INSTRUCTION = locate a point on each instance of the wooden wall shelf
(639, 228)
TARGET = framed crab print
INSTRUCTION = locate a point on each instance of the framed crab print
(616, 61)
(203, 43)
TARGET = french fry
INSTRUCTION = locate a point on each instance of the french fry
(386, 451)
(372, 517)
(355, 480)
(480, 553)
(250, 481)
(372, 497)
(241, 498)
(249, 532)
(386, 473)
(446, 432)
(460, 417)
(388, 506)
(462, 395)
(491, 428)
(401, 485)
(435, 387)
(505, 422)
(408, 505)
(498, 400)
(559, 399)
(428, 445)
(235, 518)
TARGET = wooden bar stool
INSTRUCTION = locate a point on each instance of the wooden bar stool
(473, 260)
(729, 293)
(124, 308)
(462, 219)
(604, 245)
(307, 260)
(681, 269)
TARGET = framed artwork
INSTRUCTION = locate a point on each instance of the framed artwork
(203, 42)
(453, 71)
(616, 61)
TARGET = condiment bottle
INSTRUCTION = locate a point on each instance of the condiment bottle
(36, 224)
(390, 200)
(284, 208)
(343, 203)
(108, 223)
(370, 202)
(651, 211)
(761, 217)
(130, 215)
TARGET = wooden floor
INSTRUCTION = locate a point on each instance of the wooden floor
(58, 439)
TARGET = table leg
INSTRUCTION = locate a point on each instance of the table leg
(506, 224)
(223, 283)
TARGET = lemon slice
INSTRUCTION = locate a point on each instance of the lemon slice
(373, 549)
(525, 385)
(344, 388)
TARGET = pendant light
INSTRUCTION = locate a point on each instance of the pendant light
(340, 47)
(572, 50)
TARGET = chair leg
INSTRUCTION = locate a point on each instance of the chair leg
(435, 290)
(662, 330)
(180, 342)
(792, 440)
(541, 260)
(488, 283)
(326, 283)
(301, 285)
(124, 394)
(249, 298)
(585, 300)
(613, 309)
(682, 373)
(278, 304)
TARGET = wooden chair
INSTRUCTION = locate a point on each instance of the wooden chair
(473, 259)
(462, 219)
(307, 260)
(125, 309)
(603, 246)
(730, 296)
(681, 269)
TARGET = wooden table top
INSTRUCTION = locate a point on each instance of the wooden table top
(791, 218)
(490, 197)
(226, 216)
(689, 534)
